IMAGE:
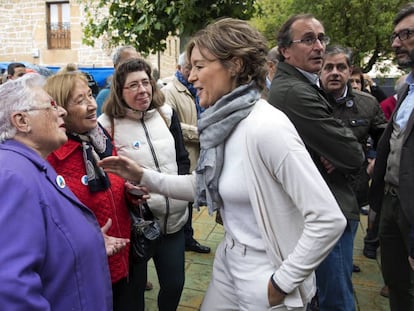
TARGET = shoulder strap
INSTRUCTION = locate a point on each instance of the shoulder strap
(112, 128)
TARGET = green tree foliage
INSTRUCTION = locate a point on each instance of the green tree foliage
(146, 24)
(363, 25)
(274, 14)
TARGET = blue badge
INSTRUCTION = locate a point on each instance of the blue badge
(349, 103)
(60, 181)
(136, 144)
(84, 180)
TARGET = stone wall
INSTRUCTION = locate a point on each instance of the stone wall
(23, 38)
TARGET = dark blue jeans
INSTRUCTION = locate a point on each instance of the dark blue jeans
(334, 275)
(169, 263)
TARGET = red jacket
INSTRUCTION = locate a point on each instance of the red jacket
(388, 106)
(68, 162)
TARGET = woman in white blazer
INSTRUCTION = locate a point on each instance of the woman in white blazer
(279, 216)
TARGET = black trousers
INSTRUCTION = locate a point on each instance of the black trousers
(371, 239)
(169, 261)
(124, 298)
(394, 230)
(188, 227)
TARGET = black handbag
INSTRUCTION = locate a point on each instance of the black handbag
(145, 232)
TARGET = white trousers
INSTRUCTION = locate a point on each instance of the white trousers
(239, 280)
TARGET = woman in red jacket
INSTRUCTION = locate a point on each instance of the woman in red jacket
(76, 161)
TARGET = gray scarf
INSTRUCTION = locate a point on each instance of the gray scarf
(215, 125)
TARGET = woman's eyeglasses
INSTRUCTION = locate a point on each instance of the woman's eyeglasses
(50, 105)
(134, 86)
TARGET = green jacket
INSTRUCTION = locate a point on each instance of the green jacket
(324, 135)
(361, 112)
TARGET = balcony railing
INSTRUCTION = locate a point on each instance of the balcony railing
(58, 35)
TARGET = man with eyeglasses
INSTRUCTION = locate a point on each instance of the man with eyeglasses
(335, 150)
(392, 189)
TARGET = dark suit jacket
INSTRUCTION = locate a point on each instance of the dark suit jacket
(406, 175)
(324, 135)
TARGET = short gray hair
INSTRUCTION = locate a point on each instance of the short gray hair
(273, 55)
(337, 49)
(117, 57)
(17, 95)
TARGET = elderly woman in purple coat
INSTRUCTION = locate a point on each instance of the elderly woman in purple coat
(53, 253)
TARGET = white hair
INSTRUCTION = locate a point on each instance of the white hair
(17, 95)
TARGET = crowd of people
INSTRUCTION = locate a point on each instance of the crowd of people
(298, 128)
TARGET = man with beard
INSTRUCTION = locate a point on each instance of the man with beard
(393, 180)
(334, 149)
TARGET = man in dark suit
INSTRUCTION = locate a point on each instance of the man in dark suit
(392, 189)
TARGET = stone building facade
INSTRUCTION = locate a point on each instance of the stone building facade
(28, 32)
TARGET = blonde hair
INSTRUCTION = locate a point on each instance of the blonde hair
(230, 38)
(68, 68)
(60, 86)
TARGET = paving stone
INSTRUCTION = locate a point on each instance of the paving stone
(367, 283)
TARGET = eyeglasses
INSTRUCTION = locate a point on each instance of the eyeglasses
(402, 35)
(312, 40)
(50, 105)
(134, 86)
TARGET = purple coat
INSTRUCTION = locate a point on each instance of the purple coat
(52, 254)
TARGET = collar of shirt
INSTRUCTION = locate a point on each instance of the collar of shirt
(312, 77)
(268, 82)
(406, 107)
(344, 94)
